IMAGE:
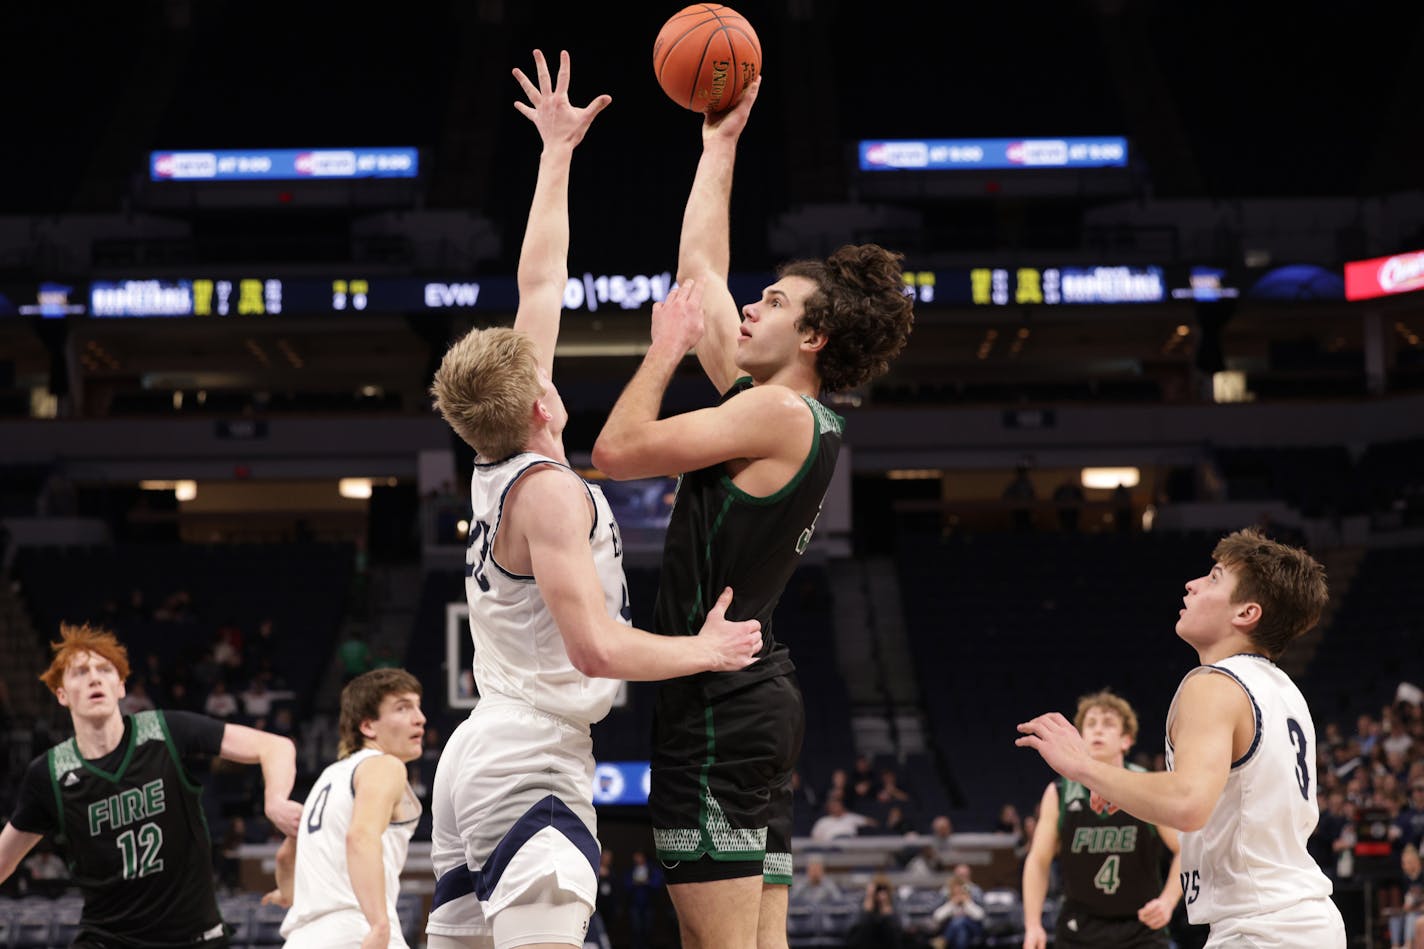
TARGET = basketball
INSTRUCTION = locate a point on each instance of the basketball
(705, 56)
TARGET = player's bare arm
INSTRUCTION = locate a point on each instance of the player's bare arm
(553, 516)
(1037, 865)
(543, 257)
(1157, 912)
(704, 252)
(278, 758)
(379, 782)
(14, 845)
(1216, 709)
(285, 872)
(764, 422)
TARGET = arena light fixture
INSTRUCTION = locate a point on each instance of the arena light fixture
(185, 490)
(358, 489)
(1109, 478)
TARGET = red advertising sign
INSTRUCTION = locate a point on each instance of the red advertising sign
(1384, 276)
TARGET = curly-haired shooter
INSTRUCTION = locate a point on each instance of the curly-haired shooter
(754, 471)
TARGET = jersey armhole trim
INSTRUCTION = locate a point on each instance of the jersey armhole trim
(1255, 712)
(183, 774)
(800, 475)
(499, 515)
(58, 795)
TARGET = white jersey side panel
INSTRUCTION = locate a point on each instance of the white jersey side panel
(519, 653)
(1250, 858)
(322, 882)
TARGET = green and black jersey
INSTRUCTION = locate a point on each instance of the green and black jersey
(1111, 863)
(131, 826)
(720, 536)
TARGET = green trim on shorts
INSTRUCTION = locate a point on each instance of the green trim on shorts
(714, 836)
(776, 869)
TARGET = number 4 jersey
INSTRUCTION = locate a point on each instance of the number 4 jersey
(1111, 863)
(131, 827)
(1250, 858)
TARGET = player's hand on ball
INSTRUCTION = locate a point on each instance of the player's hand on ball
(732, 645)
(1101, 805)
(729, 124)
(285, 815)
(677, 321)
(549, 108)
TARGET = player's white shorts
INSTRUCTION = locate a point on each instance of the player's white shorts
(343, 929)
(513, 820)
(1310, 924)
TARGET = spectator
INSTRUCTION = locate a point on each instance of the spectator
(221, 703)
(227, 647)
(816, 888)
(896, 822)
(879, 925)
(1408, 827)
(804, 802)
(644, 883)
(1404, 919)
(1010, 823)
(964, 874)
(840, 784)
(257, 699)
(890, 791)
(959, 920)
(838, 822)
(282, 723)
(609, 898)
(1367, 734)
(355, 656)
(862, 784)
(925, 864)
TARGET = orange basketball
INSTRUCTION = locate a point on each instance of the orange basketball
(705, 56)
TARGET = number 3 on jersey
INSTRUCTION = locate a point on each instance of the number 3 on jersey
(1301, 744)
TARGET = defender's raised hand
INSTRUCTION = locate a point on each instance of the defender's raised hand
(559, 122)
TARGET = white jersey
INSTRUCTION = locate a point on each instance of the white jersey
(519, 653)
(322, 883)
(1250, 858)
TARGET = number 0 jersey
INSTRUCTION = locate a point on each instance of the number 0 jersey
(322, 882)
(1250, 858)
(519, 651)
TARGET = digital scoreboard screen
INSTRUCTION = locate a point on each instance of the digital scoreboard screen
(991, 154)
(284, 164)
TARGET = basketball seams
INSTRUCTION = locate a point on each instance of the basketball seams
(732, 27)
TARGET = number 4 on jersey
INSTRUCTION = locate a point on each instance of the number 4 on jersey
(1108, 879)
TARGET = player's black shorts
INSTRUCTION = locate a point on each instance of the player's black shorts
(720, 800)
(1078, 930)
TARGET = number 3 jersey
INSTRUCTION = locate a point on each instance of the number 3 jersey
(322, 881)
(131, 827)
(1250, 858)
(519, 651)
(1111, 863)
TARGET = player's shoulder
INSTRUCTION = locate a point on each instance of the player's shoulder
(378, 770)
(548, 483)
